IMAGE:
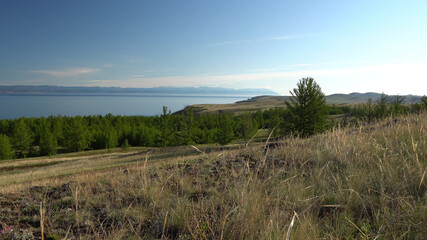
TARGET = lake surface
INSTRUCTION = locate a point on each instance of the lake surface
(16, 106)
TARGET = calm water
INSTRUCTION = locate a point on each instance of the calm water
(15, 106)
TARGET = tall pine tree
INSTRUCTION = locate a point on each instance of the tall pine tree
(307, 109)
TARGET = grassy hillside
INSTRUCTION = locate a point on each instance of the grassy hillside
(363, 97)
(356, 183)
(253, 104)
(268, 102)
(19, 174)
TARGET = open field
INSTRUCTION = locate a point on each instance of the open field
(354, 183)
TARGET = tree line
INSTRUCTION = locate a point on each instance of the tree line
(42, 136)
(305, 114)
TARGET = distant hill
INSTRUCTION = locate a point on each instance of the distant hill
(363, 97)
(268, 102)
(341, 98)
(118, 90)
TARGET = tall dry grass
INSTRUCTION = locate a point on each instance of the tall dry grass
(364, 183)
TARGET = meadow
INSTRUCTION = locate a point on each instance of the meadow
(365, 182)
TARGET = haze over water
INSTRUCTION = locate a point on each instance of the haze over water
(16, 106)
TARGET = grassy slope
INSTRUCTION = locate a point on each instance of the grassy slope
(268, 102)
(22, 173)
(256, 103)
(365, 183)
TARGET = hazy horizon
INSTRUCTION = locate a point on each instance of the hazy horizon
(366, 46)
(199, 87)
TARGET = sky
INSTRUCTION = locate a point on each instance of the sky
(346, 46)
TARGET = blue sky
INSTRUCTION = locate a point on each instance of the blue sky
(346, 46)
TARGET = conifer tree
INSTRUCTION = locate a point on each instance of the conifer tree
(5, 147)
(247, 126)
(366, 111)
(307, 109)
(381, 107)
(21, 137)
(125, 145)
(48, 143)
(166, 128)
(397, 106)
(76, 135)
(424, 102)
(187, 124)
(225, 132)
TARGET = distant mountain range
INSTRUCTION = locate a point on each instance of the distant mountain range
(118, 90)
(260, 92)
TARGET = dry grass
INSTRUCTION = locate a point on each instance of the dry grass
(366, 183)
(258, 103)
(23, 173)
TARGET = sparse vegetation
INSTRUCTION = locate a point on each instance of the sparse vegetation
(367, 182)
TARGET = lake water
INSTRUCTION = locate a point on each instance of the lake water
(16, 106)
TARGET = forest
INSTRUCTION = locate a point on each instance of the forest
(28, 137)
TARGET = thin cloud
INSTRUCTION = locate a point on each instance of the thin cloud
(381, 77)
(100, 81)
(391, 71)
(301, 65)
(69, 72)
(312, 64)
(283, 37)
(158, 70)
(278, 38)
(263, 70)
(136, 76)
(226, 43)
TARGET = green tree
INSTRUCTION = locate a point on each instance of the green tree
(112, 139)
(225, 132)
(22, 138)
(424, 102)
(76, 135)
(105, 134)
(44, 137)
(166, 128)
(187, 125)
(48, 143)
(381, 107)
(247, 126)
(5, 147)
(397, 106)
(4, 127)
(365, 112)
(125, 145)
(307, 109)
(58, 124)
